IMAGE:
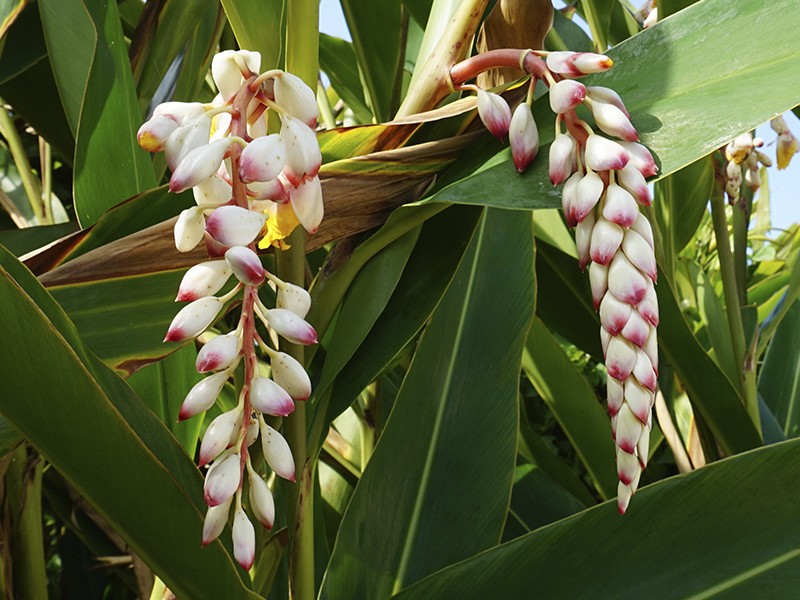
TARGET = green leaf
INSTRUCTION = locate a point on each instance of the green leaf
(258, 26)
(423, 505)
(23, 45)
(78, 413)
(21, 241)
(716, 323)
(597, 14)
(567, 35)
(89, 58)
(779, 378)
(338, 59)
(664, 74)
(574, 404)
(677, 542)
(9, 11)
(10, 437)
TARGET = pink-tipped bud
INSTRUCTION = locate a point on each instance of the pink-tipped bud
(262, 504)
(198, 165)
(244, 540)
(607, 95)
(189, 136)
(642, 226)
(648, 307)
(587, 194)
(215, 521)
(626, 282)
(628, 468)
(575, 64)
(203, 279)
(495, 113)
(246, 265)
(292, 94)
(218, 354)
(583, 240)
(234, 225)
(644, 372)
(620, 207)
(620, 358)
(566, 95)
(624, 495)
(214, 191)
(603, 154)
(202, 395)
(643, 447)
(288, 325)
(291, 376)
(606, 240)
(598, 280)
(193, 319)
(269, 398)
(568, 195)
(268, 190)
(523, 137)
(263, 159)
(218, 435)
(294, 298)
(640, 158)
(189, 229)
(640, 253)
(614, 395)
(613, 121)
(636, 330)
(153, 134)
(638, 400)
(562, 156)
(632, 180)
(303, 157)
(307, 204)
(230, 67)
(277, 452)
(651, 348)
(614, 314)
(629, 429)
(222, 480)
(651, 18)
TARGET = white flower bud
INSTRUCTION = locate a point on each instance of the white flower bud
(603, 154)
(632, 180)
(575, 64)
(153, 134)
(494, 112)
(614, 314)
(218, 354)
(598, 280)
(562, 155)
(620, 207)
(606, 239)
(181, 112)
(223, 479)
(642, 226)
(198, 165)
(291, 376)
(215, 521)
(290, 326)
(587, 194)
(568, 195)
(261, 501)
(636, 330)
(277, 452)
(625, 281)
(293, 297)
(193, 319)
(214, 190)
(268, 190)
(643, 371)
(246, 265)
(262, 159)
(203, 279)
(269, 398)
(234, 226)
(307, 204)
(607, 95)
(613, 121)
(640, 158)
(244, 540)
(218, 435)
(566, 95)
(303, 157)
(629, 429)
(648, 307)
(583, 237)
(186, 138)
(228, 69)
(640, 253)
(614, 395)
(189, 229)
(620, 358)
(523, 137)
(292, 94)
(202, 396)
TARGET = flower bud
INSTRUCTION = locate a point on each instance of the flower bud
(244, 540)
(644, 372)
(293, 297)
(613, 121)
(180, 112)
(587, 194)
(292, 94)
(203, 279)
(193, 319)
(606, 239)
(230, 67)
(189, 229)
(629, 429)
(598, 280)
(620, 207)
(152, 135)
(218, 435)
(277, 452)
(246, 265)
(268, 190)
(290, 326)
(614, 314)
(202, 396)
(575, 64)
(625, 281)
(608, 96)
(643, 447)
(262, 504)
(787, 148)
(648, 307)
(568, 195)
(218, 354)
(303, 157)
(638, 401)
(566, 95)
(262, 159)
(198, 165)
(738, 149)
(651, 347)
(234, 225)
(290, 375)
(603, 154)
(614, 396)
(252, 431)
(214, 190)
(640, 158)
(215, 521)
(269, 398)
(651, 18)
(642, 226)
(494, 112)
(562, 155)
(583, 237)
(632, 180)
(636, 330)
(222, 480)
(306, 201)
(523, 137)
(640, 253)
(187, 137)
(620, 358)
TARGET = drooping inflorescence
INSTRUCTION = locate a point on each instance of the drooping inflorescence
(250, 187)
(604, 186)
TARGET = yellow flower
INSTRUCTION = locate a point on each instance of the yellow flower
(281, 223)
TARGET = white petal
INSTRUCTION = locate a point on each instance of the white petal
(193, 319)
(222, 480)
(307, 203)
(277, 452)
(235, 226)
(202, 395)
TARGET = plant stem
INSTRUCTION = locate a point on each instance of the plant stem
(29, 181)
(302, 59)
(46, 166)
(732, 306)
(741, 217)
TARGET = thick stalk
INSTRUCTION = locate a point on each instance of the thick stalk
(741, 217)
(29, 182)
(302, 59)
(732, 306)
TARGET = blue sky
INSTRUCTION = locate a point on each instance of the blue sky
(784, 185)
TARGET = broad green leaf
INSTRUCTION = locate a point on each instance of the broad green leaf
(716, 323)
(567, 35)
(9, 11)
(779, 378)
(670, 7)
(376, 31)
(258, 26)
(78, 413)
(21, 241)
(573, 403)
(597, 14)
(90, 60)
(726, 530)
(664, 75)
(10, 437)
(423, 505)
(338, 59)
(23, 45)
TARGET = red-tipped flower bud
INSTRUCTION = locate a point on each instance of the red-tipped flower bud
(495, 113)
(262, 159)
(193, 319)
(234, 225)
(566, 95)
(523, 137)
(246, 265)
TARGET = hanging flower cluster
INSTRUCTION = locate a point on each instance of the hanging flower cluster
(742, 154)
(248, 184)
(787, 142)
(604, 186)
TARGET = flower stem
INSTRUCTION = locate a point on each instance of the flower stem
(29, 181)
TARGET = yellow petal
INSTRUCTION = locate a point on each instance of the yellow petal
(281, 223)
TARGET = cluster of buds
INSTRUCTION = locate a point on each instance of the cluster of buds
(787, 142)
(604, 186)
(248, 186)
(743, 153)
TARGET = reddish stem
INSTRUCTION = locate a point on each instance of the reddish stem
(506, 57)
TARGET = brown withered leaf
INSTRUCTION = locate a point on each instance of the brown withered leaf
(513, 24)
